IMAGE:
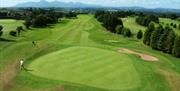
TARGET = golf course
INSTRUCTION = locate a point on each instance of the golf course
(79, 54)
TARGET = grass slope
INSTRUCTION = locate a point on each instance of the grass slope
(90, 66)
(77, 46)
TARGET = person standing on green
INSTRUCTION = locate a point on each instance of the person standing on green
(34, 43)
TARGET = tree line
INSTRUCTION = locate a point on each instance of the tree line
(34, 17)
(112, 23)
(145, 20)
(42, 17)
(163, 39)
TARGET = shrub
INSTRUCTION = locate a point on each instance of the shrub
(176, 47)
(139, 34)
(119, 29)
(13, 33)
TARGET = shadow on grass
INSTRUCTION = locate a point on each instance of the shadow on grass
(28, 69)
(6, 40)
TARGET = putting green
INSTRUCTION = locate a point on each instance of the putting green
(88, 66)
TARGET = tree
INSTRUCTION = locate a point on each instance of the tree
(170, 41)
(1, 28)
(19, 29)
(110, 22)
(126, 32)
(145, 20)
(179, 26)
(12, 33)
(139, 34)
(176, 47)
(147, 34)
(71, 15)
(174, 25)
(40, 21)
(155, 37)
(27, 23)
(98, 13)
(119, 29)
(164, 41)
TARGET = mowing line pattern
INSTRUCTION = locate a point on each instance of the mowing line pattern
(89, 66)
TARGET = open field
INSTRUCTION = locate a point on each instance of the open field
(75, 55)
(130, 22)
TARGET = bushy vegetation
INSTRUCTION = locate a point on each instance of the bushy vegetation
(119, 29)
(13, 33)
(112, 23)
(40, 17)
(139, 34)
(176, 47)
(147, 34)
(11, 15)
(71, 15)
(162, 38)
(126, 32)
(1, 32)
(109, 21)
(145, 20)
(19, 29)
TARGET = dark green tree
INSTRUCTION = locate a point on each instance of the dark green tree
(40, 21)
(147, 34)
(13, 33)
(110, 22)
(27, 23)
(146, 20)
(176, 47)
(174, 25)
(126, 32)
(139, 34)
(155, 36)
(170, 41)
(1, 32)
(119, 29)
(19, 29)
(163, 41)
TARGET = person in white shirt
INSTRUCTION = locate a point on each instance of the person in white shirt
(21, 64)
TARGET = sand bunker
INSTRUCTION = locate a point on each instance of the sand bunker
(141, 55)
(112, 41)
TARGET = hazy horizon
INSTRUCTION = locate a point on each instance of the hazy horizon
(171, 4)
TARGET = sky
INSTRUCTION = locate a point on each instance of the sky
(174, 4)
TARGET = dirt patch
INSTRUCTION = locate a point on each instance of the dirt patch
(141, 55)
(26, 88)
(172, 78)
(7, 77)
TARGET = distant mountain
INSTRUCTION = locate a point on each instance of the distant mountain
(142, 9)
(44, 3)
(59, 4)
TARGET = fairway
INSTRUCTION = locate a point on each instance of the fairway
(89, 66)
(81, 55)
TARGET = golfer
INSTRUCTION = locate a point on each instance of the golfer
(34, 43)
(22, 64)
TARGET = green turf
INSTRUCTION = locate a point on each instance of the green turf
(130, 22)
(166, 21)
(90, 66)
(84, 60)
